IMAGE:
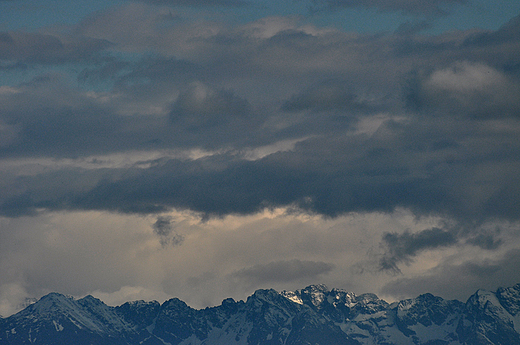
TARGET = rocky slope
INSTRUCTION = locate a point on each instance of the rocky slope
(314, 315)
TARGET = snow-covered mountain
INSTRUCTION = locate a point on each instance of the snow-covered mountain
(314, 315)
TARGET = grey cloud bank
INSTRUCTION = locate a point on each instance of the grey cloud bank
(285, 271)
(379, 123)
(415, 159)
(435, 7)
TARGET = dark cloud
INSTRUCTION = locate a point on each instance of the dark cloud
(411, 28)
(37, 48)
(328, 96)
(460, 280)
(198, 3)
(431, 168)
(451, 150)
(503, 201)
(139, 109)
(509, 32)
(282, 272)
(164, 227)
(46, 117)
(486, 241)
(403, 247)
(150, 71)
(466, 89)
(433, 7)
(200, 106)
(146, 110)
(53, 120)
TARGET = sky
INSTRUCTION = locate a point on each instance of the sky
(204, 149)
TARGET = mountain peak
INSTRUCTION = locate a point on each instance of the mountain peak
(510, 298)
(312, 315)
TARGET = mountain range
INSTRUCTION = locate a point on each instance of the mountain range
(313, 315)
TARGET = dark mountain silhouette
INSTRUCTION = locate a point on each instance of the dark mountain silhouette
(314, 315)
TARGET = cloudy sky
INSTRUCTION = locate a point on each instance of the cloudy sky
(203, 149)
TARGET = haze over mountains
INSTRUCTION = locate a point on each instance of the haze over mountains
(313, 315)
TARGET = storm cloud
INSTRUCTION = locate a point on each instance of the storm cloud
(436, 7)
(197, 3)
(453, 280)
(164, 227)
(403, 247)
(245, 140)
(27, 48)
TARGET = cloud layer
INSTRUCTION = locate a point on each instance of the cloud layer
(434, 7)
(151, 112)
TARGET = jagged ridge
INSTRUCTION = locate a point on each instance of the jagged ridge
(314, 315)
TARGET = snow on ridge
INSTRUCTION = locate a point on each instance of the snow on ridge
(292, 296)
(484, 296)
(365, 318)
